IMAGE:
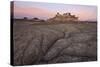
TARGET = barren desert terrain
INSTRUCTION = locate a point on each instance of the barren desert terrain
(44, 43)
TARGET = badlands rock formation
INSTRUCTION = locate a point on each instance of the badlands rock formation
(60, 43)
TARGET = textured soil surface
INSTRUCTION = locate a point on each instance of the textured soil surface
(54, 43)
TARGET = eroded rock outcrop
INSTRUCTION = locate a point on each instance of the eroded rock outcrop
(41, 45)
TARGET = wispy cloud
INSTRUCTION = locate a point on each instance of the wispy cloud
(32, 12)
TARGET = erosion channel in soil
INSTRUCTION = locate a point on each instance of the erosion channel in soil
(54, 43)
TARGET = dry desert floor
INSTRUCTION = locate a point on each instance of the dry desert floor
(44, 43)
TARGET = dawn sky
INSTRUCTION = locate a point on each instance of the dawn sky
(48, 10)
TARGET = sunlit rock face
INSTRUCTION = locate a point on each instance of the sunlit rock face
(54, 43)
(63, 18)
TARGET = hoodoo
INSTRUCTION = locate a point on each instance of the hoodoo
(63, 18)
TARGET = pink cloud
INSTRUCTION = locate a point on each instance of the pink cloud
(32, 11)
